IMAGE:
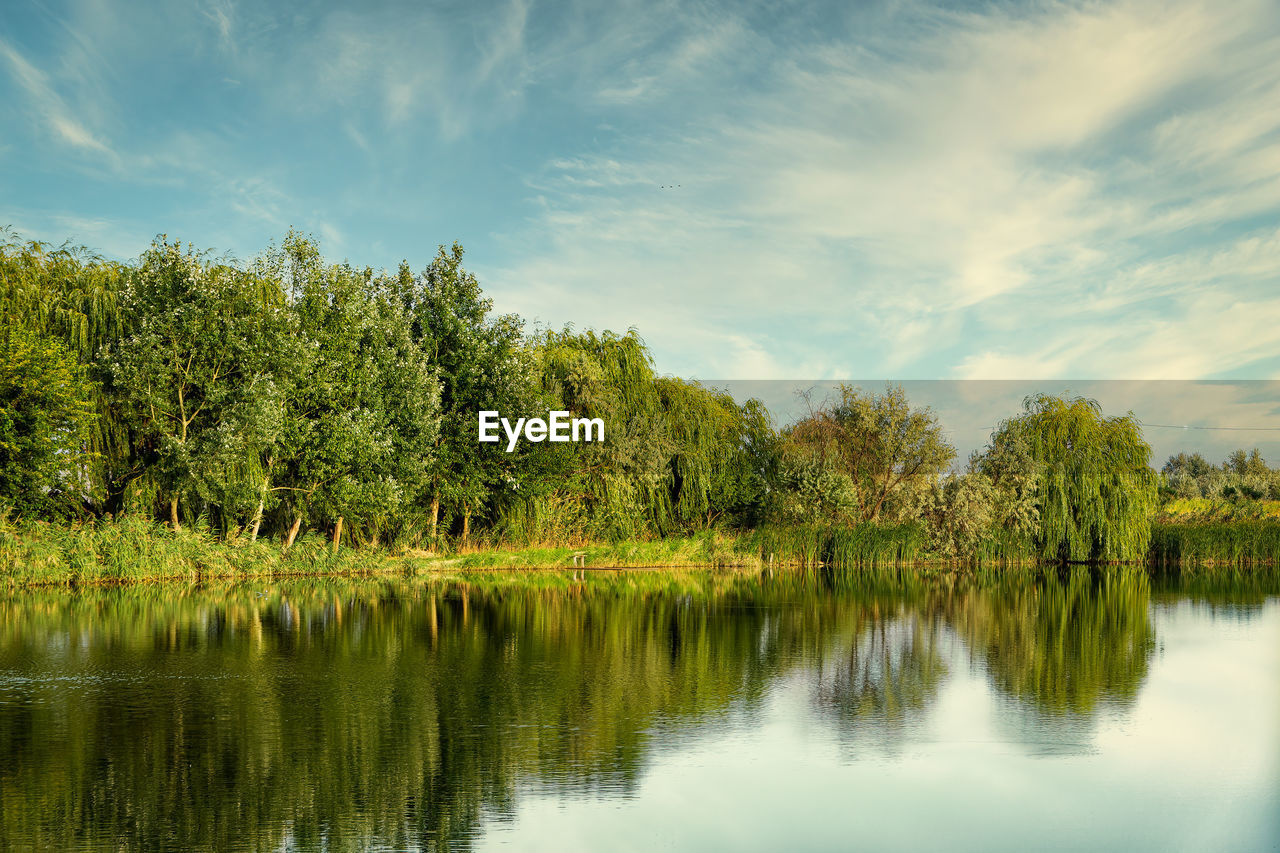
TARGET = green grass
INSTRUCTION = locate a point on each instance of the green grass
(131, 549)
(863, 546)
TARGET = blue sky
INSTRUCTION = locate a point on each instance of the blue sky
(901, 189)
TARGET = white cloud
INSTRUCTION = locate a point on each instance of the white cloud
(51, 107)
(885, 202)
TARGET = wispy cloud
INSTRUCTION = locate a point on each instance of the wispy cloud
(968, 193)
(45, 101)
(221, 15)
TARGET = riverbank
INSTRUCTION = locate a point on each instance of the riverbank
(134, 550)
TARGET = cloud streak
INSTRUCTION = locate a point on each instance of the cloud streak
(53, 111)
(975, 202)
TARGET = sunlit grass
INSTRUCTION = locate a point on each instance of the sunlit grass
(132, 549)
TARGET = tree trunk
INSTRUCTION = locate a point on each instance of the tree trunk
(293, 533)
(257, 516)
(337, 534)
(173, 513)
(435, 515)
(466, 523)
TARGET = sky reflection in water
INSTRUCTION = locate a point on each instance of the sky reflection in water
(635, 710)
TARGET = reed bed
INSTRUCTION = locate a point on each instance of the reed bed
(1230, 544)
(859, 546)
(133, 549)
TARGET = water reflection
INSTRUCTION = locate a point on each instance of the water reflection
(347, 715)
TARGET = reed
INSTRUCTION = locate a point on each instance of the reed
(857, 546)
(1230, 543)
(133, 549)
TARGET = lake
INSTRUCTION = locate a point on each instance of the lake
(1076, 711)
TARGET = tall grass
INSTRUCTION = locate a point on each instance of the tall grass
(860, 546)
(1225, 543)
(132, 548)
(1004, 550)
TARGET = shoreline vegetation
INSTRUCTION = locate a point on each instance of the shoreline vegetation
(190, 417)
(132, 550)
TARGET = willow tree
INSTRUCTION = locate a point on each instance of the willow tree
(611, 488)
(45, 417)
(69, 295)
(1095, 488)
(719, 452)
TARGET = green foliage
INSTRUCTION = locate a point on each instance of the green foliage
(720, 452)
(960, 514)
(67, 292)
(292, 394)
(1095, 489)
(1241, 477)
(70, 295)
(677, 455)
(482, 365)
(137, 549)
(361, 419)
(863, 456)
(839, 547)
(200, 368)
(602, 489)
(45, 420)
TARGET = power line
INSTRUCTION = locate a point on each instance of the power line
(1231, 429)
(1190, 426)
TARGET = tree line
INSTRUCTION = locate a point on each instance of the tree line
(291, 393)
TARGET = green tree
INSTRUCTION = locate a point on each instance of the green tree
(45, 419)
(70, 295)
(199, 368)
(720, 452)
(1187, 475)
(482, 364)
(359, 428)
(1095, 488)
(1249, 476)
(612, 488)
(884, 451)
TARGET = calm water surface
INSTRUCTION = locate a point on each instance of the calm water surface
(636, 711)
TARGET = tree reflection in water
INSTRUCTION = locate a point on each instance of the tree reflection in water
(349, 714)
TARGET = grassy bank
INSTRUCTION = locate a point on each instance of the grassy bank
(133, 550)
